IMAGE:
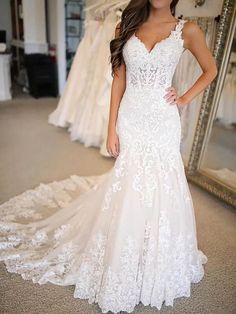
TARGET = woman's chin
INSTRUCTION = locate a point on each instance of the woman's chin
(160, 4)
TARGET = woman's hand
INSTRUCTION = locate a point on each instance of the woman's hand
(173, 98)
(113, 145)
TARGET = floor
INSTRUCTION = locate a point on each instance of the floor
(32, 151)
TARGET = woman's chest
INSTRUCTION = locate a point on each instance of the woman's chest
(166, 51)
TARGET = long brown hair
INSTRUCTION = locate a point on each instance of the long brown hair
(134, 15)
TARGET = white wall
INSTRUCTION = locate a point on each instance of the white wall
(5, 18)
(34, 26)
(56, 24)
(52, 21)
(61, 47)
(210, 8)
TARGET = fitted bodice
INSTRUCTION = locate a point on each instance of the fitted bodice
(144, 113)
(154, 69)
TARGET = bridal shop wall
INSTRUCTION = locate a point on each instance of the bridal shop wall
(59, 24)
(52, 21)
(56, 32)
(24, 22)
(34, 26)
(210, 8)
(5, 19)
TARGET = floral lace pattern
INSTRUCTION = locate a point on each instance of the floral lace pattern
(126, 236)
(156, 68)
(161, 271)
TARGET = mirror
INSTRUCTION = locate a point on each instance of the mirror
(219, 159)
(212, 161)
(187, 72)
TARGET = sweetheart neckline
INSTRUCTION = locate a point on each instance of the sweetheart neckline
(156, 44)
(149, 52)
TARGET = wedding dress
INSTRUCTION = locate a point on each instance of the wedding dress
(128, 235)
(88, 123)
(78, 107)
(82, 65)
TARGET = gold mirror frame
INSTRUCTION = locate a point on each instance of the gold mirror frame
(208, 108)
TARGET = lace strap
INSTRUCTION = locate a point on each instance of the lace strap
(179, 27)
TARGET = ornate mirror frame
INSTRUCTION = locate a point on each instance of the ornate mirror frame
(208, 108)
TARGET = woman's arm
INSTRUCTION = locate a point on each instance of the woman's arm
(194, 41)
(117, 91)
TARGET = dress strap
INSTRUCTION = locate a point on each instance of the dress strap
(180, 24)
(178, 29)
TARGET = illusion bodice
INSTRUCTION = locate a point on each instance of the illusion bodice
(154, 69)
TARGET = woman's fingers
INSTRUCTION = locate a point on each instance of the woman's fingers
(109, 150)
(171, 95)
(172, 100)
(171, 92)
(113, 145)
(113, 151)
(171, 88)
(117, 147)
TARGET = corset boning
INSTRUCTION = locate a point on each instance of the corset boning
(148, 76)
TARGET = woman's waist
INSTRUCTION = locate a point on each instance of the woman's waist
(144, 94)
(148, 82)
(140, 104)
(154, 89)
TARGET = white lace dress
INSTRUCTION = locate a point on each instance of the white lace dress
(126, 236)
(78, 107)
(88, 123)
(81, 69)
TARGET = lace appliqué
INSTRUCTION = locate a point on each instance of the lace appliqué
(145, 72)
(137, 240)
(158, 274)
(30, 205)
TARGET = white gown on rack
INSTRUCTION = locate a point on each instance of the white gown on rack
(86, 94)
(82, 66)
(88, 123)
(128, 235)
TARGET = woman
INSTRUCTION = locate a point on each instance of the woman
(129, 235)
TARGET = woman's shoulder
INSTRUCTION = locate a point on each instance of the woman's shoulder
(192, 33)
(191, 28)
